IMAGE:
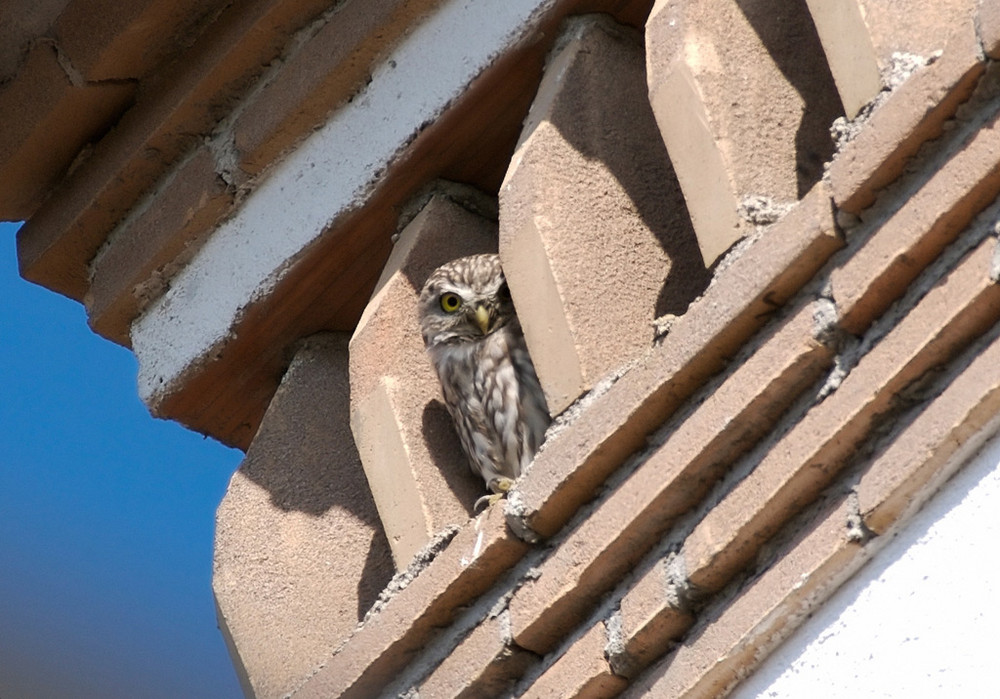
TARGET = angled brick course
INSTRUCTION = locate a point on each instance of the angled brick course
(137, 261)
(673, 480)
(912, 115)
(733, 640)
(581, 671)
(809, 456)
(651, 621)
(931, 219)
(617, 422)
(485, 664)
(939, 441)
(56, 244)
(328, 69)
(109, 40)
(470, 564)
(48, 118)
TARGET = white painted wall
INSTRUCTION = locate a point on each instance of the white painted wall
(922, 619)
(327, 176)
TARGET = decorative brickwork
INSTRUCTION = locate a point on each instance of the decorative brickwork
(764, 346)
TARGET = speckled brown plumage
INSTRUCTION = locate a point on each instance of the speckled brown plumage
(488, 381)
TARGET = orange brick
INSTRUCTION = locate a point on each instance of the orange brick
(472, 562)
(483, 665)
(138, 260)
(580, 672)
(914, 114)
(936, 445)
(593, 231)
(738, 634)
(419, 476)
(47, 121)
(772, 141)
(651, 622)
(109, 40)
(578, 459)
(299, 551)
(56, 245)
(880, 271)
(807, 458)
(630, 521)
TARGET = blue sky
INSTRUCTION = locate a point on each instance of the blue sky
(106, 518)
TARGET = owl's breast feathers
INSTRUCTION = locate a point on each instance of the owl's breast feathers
(493, 394)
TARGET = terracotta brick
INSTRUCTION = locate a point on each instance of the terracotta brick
(934, 446)
(325, 71)
(299, 551)
(914, 114)
(485, 664)
(847, 43)
(988, 24)
(109, 40)
(651, 621)
(889, 261)
(729, 143)
(472, 562)
(957, 310)
(47, 121)
(593, 231)
(580, 672)
(700, 343)
(141, 255)
(630, 521)
(735, 637)
(57, 244)
(419, 476)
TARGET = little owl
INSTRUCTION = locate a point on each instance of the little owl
(489, 383)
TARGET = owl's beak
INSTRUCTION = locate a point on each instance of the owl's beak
(482, 318)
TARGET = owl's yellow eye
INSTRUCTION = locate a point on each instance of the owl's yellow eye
(450, 302)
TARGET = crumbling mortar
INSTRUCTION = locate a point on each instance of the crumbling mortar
(854, 349)
(900, 68)
(932, 155)
(856, 529)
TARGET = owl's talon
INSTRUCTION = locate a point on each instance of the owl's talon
(500, 487)
(488, 501)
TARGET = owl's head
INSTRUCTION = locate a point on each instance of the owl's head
(464, 300)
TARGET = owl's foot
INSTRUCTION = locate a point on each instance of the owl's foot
(500, 487)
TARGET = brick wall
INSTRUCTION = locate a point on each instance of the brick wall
(767, 332)
(702, 494)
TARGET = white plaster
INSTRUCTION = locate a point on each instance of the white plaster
(330, 174)
(920, 620)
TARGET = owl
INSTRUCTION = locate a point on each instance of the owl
(489, 384)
